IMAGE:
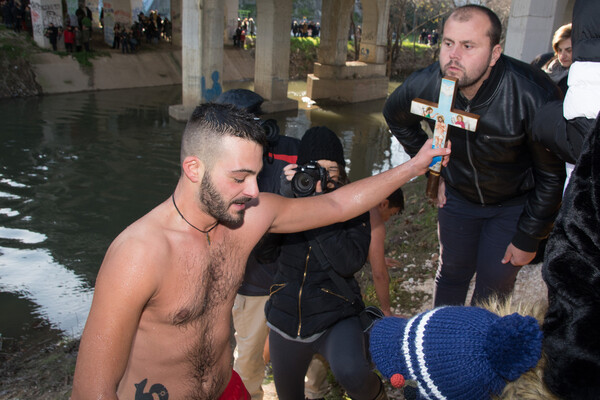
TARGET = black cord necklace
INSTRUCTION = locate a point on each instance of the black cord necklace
(206, 232)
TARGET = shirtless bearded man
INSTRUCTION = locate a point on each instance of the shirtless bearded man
(160, 318)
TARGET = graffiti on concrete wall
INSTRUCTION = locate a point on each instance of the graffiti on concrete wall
(210, 94)
(42, 14)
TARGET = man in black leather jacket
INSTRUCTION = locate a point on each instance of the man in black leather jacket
(501, 191)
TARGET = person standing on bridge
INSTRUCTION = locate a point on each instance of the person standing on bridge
(501, 191)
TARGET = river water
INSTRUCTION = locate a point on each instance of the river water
(76, 169)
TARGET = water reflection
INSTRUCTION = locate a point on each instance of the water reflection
(76, 169)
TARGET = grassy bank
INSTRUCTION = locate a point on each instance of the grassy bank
(16, 77)
(411, 240)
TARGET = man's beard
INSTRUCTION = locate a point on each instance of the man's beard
(466, 80)
(215, 205)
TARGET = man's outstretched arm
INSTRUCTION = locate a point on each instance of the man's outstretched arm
(297, 215)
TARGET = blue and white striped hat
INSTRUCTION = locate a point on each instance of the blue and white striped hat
(456, 353)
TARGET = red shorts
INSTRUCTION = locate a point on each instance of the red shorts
(235, 389)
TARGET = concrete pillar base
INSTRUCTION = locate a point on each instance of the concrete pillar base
(355, 82)
(273, 106)
(180, 113)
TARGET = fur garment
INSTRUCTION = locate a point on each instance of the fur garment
(572, 272)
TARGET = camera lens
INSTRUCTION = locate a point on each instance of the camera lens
(303, 184)
(271, 130)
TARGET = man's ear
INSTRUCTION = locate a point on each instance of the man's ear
(383, 204)
(496, 53)
(193, 168)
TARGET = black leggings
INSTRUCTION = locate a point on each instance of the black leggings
(342, 345)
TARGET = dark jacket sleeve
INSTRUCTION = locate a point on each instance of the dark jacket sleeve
(543, 203)
(346, 244)
(404, 125)
(561, 136)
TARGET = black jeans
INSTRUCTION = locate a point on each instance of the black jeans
(343, 346)
(473, 239)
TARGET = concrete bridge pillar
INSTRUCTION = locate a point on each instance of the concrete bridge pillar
(373, 44)
(272, 62)
(176, 37)
(44, 12)
(335, 15)
(334, 79)
(532, 24)
(202, 55)
(231, 16)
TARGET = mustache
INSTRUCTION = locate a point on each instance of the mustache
(241, 200)
(453, 64)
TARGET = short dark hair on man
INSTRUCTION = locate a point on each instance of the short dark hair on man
(396, 199)
(210, 123)
(464, 13)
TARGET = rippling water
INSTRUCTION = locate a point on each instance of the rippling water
(76, 169)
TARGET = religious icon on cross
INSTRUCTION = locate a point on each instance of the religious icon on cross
(444, 114)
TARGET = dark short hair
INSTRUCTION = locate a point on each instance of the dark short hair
(464, 13)
(396, 199)
(211, 122)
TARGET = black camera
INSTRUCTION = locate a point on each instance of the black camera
(304, 182)
(271, 130)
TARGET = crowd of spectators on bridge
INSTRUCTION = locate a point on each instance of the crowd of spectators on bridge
(245, 28)
(149, 29)
(305, 28)
(429, 38)
(76, 33)
(16, 15)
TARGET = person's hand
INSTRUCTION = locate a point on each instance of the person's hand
(516, 256)
(392, 263)
(441, 195)
(446, 159)
(421, 162)
(318, 187)
(289, 171)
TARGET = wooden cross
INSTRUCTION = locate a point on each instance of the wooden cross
(443, 114)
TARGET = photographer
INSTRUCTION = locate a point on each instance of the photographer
(306, 311)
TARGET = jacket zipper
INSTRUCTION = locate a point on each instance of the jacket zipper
(475, 177)
(300, 291)
(335, 294)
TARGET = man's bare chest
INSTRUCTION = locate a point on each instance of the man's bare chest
(200, 282)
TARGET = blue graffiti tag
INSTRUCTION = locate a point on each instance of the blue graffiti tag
(215, 91)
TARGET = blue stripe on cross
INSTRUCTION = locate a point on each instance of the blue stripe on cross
(444, 114)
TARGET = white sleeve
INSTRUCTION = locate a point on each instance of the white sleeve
(582, 98)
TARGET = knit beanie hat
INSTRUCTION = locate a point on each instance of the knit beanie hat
(320, 143)
(457, 353)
